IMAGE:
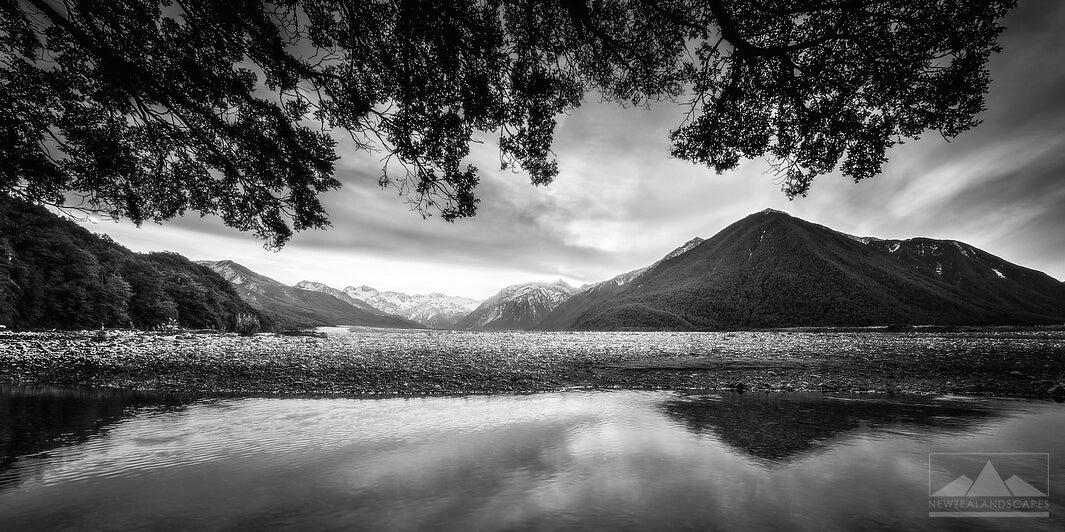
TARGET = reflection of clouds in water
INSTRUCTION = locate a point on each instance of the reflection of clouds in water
(245, 427)
(609, 460)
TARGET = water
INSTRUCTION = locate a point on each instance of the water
(610, 460)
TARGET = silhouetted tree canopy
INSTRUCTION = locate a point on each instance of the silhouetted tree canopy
(150, 108)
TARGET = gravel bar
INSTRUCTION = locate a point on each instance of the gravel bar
(375, 362)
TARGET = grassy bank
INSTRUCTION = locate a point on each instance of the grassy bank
(1024, 363)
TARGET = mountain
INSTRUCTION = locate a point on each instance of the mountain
(326, 289)
(56, 274)
(294, 307)
(774, 270)
(594, 294)
(432, 310)
(520, 306)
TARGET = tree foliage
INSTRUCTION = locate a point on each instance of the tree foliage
(150, 108)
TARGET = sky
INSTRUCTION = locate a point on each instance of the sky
(620, 202)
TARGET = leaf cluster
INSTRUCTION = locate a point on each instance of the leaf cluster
(151, 108)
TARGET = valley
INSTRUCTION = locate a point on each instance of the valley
(768, 270)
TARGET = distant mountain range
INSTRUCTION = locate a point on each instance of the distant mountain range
(290, 307)
(774, 270)
(767, 270)
(326, 289)
(432, 310)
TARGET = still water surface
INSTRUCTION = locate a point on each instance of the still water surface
(606, 460)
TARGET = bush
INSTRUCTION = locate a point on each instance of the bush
(246, 324)
(171, 325)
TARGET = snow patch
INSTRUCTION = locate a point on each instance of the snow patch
(861, 239)
(998, 273)
(939, 269)
(926, 249)
(894, 247)
(425, 309)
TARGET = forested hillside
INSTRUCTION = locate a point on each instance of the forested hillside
(774, 270)
(56, 274)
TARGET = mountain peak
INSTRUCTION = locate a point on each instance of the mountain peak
(310, 285)
(518, 306)
(773, 270)
(773, 211)
(225, 263)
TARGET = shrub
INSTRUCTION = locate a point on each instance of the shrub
(171, 325)
(246, 324)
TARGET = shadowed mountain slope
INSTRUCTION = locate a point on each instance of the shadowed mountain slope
(774, 270)
(1009, 292)
(594, 294)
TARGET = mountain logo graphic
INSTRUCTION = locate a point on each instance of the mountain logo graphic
(988, 484)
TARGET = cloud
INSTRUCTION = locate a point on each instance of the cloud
(620, 202)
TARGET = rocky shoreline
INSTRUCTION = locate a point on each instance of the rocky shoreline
(1008, 363)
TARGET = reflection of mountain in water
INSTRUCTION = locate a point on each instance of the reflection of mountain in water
(779, 427)
(35, 419)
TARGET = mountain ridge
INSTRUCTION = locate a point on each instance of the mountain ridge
(595, 293)
(294, 307)
(324, 288)
(434, 310)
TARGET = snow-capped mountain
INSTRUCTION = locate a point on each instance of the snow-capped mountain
(432, 310)
(326, 289)
(519, 306)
